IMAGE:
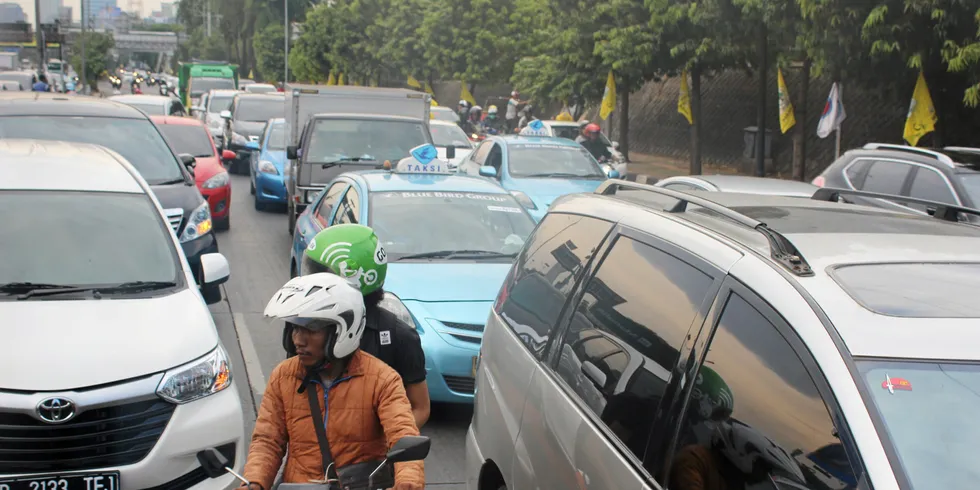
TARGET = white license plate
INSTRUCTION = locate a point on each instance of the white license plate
(76, 481)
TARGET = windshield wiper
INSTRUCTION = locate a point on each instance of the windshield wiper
(452, 254)
(169, 182)
(137, 286)
(31, 289)
(346, 160)
(561, 174)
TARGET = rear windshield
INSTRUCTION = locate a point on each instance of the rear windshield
(971, 183)
(929, 290)
(188, 139)
(929, 412)
(219, 103)
(202, 85)
(277, 137)
(447, 136)
(260, 110)
(151, 109)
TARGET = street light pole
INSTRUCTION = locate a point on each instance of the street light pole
(37, 34)
(285, 36)
(84, 77)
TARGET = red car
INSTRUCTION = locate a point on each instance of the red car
(191, 136)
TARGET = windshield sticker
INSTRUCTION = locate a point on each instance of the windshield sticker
(892, 384)
(504, 209)
(449, 195)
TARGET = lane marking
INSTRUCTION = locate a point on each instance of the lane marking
(253, 369)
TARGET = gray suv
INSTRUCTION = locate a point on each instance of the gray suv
(647, 338)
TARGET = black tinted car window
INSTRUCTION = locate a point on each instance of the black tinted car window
(756, 414)
(856, 173)
(928, 184)
(326, 205)
(886, 177)
(626, 333)
(538, 285)
(349, 208)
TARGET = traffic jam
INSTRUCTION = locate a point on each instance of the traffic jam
(700, 332)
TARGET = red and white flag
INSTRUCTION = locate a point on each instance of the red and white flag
(833, 113)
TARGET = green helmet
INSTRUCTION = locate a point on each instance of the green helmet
(351, 251)
(712, 398)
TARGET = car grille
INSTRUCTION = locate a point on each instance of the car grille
(109, 436)
(460, 384)
(473, 338)
(472, 327)
(175, 217)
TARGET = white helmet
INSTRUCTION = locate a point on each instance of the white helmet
(323, 301)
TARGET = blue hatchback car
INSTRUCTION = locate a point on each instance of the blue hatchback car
(450, 241)
(536, 169)
(268, 165)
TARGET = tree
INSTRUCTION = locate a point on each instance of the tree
(402, 48)
(270, 55)
(97, 48)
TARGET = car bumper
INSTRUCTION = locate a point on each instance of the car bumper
(242, 152)
(194, 249)
(219, 200)
(270, 188)
(449, 367)
(215, 421)
(474, 460)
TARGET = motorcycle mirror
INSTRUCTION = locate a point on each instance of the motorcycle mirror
(409, 448)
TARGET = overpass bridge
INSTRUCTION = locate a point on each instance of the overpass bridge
(164, 43)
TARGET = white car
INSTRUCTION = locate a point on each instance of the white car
(572, 129)
(259, 88)
(111, 368)
(446, 134)
(216, 101)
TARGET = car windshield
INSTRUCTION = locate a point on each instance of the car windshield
(929, 412)
(971, 183)
(188, 139)
(445, 115)
(199, 85)
(219, 103)
(151, 109)
(259, 110)
(424, 222)
(572, 132)
(378, 140)
(137, 140)
(443, 135)
(277, 137)
(110, 254)
(545, 160)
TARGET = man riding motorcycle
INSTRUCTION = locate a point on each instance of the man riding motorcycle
(364, 409)
(389, 337)
(492, 124)
(591, 141)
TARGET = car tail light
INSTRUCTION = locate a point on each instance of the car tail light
(819, 181)
(498, 304)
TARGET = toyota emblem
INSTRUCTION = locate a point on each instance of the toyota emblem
(56, 410)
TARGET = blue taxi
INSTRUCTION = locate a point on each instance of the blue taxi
(450, 240)
(536, 169)
(268, 165)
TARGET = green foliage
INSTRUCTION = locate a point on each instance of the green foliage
(97, 58)
(467, 39)
(270, 54)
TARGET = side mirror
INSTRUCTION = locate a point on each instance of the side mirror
(227, 155)
(188, 160)
(226, 114)
(214, 272)
(615, 144)
(488, 171)
(613, 174)
(594, 374)
(450, 152)
(409, 448)
(252, 145)
(292, 152)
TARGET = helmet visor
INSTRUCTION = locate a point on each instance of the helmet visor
(314, 324)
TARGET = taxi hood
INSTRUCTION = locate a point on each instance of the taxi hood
(54, 345)
(544, 191)
(457, 280)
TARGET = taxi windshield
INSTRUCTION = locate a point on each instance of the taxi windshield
(559, 161)
(365, 139)
(414, 223)
(929, 412)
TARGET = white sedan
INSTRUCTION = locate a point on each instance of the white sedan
(571, 130)
(446, 134)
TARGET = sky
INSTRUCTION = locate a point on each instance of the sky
(28, 6)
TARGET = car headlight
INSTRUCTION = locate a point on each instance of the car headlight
(217, 180)
(198, 224)
(524, 199)
(393, 304)
(267, 167)
(238, 139)
(196, 379)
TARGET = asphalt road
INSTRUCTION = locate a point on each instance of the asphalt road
(257, 246)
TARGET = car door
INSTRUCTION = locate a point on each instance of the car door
(348, 208)
(883, 176)
(594, 402)
(472, 164)
(928, 183)
(759, 409)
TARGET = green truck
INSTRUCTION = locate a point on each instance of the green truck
(199, 77)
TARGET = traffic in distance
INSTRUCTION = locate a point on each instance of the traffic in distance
(703, 332)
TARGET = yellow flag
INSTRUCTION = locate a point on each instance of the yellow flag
(412, 82)
(922, 114)
(331, 80)
(374, 82)
(428, 90)
(564, 115)
(684, 100)
(787, 119)
(340, 78)
(464, 93)
(608, 97)
(250, 75)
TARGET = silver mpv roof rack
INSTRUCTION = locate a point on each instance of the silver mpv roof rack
(943, 211)
(945, 159)
(781, 249)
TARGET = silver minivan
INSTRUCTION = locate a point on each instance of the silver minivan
(647, 339)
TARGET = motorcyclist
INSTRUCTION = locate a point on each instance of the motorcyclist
(513, 104)
(474, 120)
(492, 123)
(463, 110)
(42, 84)
(527, 115)
(390, 338)
(364, 407)
(591, 141)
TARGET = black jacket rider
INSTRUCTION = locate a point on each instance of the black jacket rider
(596, 147)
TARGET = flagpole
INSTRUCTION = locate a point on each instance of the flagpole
(840, 98)
(837, 146)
